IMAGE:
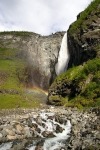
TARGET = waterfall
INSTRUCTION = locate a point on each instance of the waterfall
(63, 58)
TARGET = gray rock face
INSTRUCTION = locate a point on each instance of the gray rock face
(84, 37)
(41, 53)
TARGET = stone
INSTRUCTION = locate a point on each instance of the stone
(59, 129)
(1, 135)
(29, 122)
(27, 132)
(14, 122)
(10, 137)
(25, 117)
(48, 134)
(83, 133)
(10, 132)
(19, 128)
(4, 133)
(73, 121)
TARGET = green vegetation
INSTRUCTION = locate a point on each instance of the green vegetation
(12, 70)
(83, 16)
(22, 100)
(80, 86)
(87, 79)
(17, 33)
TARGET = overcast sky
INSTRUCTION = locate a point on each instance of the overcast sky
(40, 16)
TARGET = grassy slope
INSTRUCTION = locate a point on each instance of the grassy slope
(82, 20)
(86, 78)
(12, 93)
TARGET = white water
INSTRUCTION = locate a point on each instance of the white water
(57, 142)
(5, 146)
(63, 58)
(50, 125)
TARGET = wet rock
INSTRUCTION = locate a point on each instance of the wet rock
(34, 125)
(29, 123)
(59, 129)
(48, 134)
(39, 145)
(59, 119)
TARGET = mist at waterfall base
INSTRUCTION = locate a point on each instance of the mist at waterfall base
(63, 58)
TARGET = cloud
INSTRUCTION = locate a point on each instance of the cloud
(40, 16)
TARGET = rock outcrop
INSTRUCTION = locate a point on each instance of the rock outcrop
(84, 35)
(41, 53)
(79, 85)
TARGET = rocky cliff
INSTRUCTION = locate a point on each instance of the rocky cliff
(40, 52)
(84, 35)
(80, 85)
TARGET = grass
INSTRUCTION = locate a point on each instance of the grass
(87, 79)
(17, 33)
(8, 101)
(69, 75)
(13, 75)
(12, 93)
(92, 7)
(7, 53)
(10, 67)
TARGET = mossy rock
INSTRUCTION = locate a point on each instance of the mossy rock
(85, 87)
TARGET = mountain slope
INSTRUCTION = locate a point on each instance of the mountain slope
(27, 63)
(80, 85)
(84, 35)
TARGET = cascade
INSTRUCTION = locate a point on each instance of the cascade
(48, 127)
(63, 58)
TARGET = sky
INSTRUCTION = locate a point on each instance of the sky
(40, 16)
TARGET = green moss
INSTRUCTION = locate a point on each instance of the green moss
(69, 75)
(86, 78)
(83, 16)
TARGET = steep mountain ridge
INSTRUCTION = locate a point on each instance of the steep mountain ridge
(40, 52)
(84, 35)
(27, 61)
(80, 85)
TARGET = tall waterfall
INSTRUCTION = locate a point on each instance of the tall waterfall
(63, 58)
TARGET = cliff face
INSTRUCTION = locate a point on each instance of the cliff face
(40, 53)
(84, 35)
(80, 85)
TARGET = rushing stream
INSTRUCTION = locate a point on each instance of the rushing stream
(48, 130)
(53, 130)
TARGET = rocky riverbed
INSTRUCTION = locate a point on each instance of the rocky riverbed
(29, 129)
